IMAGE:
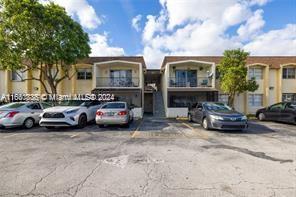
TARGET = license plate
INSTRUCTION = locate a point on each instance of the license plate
(109, 113)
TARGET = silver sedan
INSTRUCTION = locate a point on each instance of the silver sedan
(24, 114)
(113, 113)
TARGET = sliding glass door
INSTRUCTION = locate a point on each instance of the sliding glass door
(186, 78)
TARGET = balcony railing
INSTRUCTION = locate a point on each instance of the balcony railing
(190, 82)
(117, 82)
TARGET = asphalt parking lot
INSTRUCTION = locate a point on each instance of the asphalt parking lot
(154, 157)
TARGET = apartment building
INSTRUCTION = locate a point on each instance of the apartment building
(190, 79)
(180, 82)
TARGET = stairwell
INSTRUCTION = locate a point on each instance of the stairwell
(158, 105)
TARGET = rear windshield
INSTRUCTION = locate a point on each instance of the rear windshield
(12, 105)
(217, 107)
(114, 106)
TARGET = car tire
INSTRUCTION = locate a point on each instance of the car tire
(126, 125)
(205, 124)
(28, 123)
(82, 121)
(101, 126)
(190, 118)
(261, 116)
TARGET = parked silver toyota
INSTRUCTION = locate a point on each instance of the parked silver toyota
(113, 113)
(24, 114)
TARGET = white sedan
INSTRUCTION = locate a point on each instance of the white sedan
(70, 113)
(24, 114)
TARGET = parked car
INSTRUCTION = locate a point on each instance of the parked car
(283, 112)
(113, 113)
(24, 114)
(213, 115)
(70, 113)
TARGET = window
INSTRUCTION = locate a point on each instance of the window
(114, 106)
(289, 97)
(289, 73)
(84, 74)
(277, 107)
(291, 106)
(121, 78)
(255, 100)
(255, 73)
(17, 76)
(34, 106)
(223, 98)
(184, 78)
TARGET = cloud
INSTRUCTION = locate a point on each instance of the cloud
(203, 28)
(80, 9)
(252, 27)
(275, 42)
(100, 47)
(135, 22)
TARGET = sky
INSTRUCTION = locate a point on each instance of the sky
(156, 28)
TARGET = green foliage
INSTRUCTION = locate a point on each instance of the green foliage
(37, 36)
(233, 74)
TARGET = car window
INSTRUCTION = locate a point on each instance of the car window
(278, 106)
(217, 107)
(46, 105)
(34, 106)
(291, 106)
(114, 106)
(12, 105)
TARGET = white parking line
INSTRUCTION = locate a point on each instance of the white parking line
(72, 136)
(10, 135)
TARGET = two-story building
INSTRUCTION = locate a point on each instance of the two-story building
(169, 91)
(190, 79)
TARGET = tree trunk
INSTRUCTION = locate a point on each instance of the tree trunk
(231, 100)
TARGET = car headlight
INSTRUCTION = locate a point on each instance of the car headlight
(216, 117)
(72, 111)
(244, 118)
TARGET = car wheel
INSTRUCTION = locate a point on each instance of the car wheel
(28, 123)
(101, 125)
(190, 118)
(82, 122)
(126, 125)
(205, 124)
(261, 116)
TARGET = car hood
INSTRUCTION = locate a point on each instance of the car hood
(225, 113)
(61, 108)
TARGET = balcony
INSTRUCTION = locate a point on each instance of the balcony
(190, 82)
(117, 82)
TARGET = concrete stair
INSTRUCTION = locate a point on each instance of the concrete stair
(158, 105)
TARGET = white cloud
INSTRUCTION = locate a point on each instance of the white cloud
(100, 47)
(135, 22)
(275, 42)
(202, 28)
(252, 27)
(82, 10)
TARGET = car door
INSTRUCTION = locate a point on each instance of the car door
(274, 112)
(288, 113)
(198, 113)
(35, 111)
(92, 109)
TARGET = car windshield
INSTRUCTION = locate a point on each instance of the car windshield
(114, 106)
(217, 107)
(12, 106)
(73, 103)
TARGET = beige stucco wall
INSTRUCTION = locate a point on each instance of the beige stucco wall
(2, 84)
(272, 86)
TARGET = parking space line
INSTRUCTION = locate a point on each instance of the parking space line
(136, 132)
(10, 135)
(202, 135)
(72, 136)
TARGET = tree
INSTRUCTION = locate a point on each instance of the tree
(233, 74)
(42, 37)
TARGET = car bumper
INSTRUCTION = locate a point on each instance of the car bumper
(57, 122)
(226, 125)
(8, 123)
(100, 120)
